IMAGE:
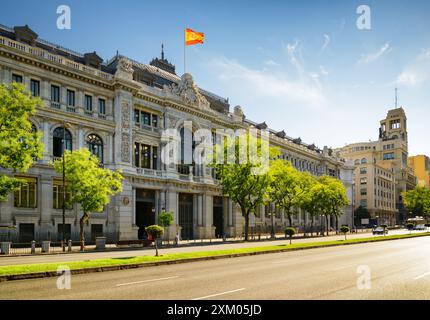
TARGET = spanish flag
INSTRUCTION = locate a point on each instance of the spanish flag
(193, 37)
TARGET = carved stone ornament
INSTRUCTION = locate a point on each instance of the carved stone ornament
(124, 69)
(187, 91)
(125, 147)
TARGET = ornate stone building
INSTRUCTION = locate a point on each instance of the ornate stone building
(381, 171)
(119, 109)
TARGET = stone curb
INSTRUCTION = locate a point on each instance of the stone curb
(36, 275)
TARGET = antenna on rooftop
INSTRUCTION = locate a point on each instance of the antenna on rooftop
(162, 51)
(395, 98)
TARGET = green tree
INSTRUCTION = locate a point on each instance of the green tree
(165, 220)
(244, 182)
(309, 200)
(290, 232)
(19, 144)
(89, 184)
(286, 185)
(344, 230)
(417, 201)
(156, 232)
(331, 197)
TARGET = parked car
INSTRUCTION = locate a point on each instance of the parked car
(420, 227)
(379, 230)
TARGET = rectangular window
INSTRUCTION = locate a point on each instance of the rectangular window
(137, 116)
(146, 118)
(137, 154)
(363, 170)
(395, 124)
(145, 156)
(55, 93)
(388, 156)
(154, 120)
(35, 88)
(26, 195)
(71, 98)
(102, 106)
(16, 78)
(363, 180)
(363, 203)
(57, 196)
(154, 158)
(363, 192)
(88, 103)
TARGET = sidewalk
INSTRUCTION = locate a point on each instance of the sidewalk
(215, 246)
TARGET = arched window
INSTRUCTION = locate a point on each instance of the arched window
(95, 145)
(59, 134)
(363, 161)
(357, 161)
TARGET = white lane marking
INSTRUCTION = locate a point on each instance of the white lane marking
(422, 276)
(218, 294)
(144, 281)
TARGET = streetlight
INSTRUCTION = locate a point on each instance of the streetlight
(272, 220)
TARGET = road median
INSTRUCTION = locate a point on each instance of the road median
(33, 271)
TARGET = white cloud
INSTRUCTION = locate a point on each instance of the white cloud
(373, 56)
(326, 42)
(323, 71)
(274, 88)
(416, 72)
(271, 63)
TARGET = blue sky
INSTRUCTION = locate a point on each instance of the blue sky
(302, 66)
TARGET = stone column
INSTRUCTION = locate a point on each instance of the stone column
(133, 203)
(199, 208)
(46, 140)
(208, 216)
(45, 206)
(172, 205)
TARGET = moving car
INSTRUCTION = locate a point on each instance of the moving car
(420, 227)
(379, 230)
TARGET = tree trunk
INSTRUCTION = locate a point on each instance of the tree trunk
(326, 224)
(290, 220)
(291, 238)
(246, 216)
(156, 248)
(337, 225)
(82, 222)
(312, 226)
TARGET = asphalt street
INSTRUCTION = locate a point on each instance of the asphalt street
(91, 255)
(397, 269)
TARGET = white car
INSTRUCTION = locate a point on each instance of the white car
(420, 227)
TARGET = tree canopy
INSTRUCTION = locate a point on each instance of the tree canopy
(244, 182)
(417, 201)
(89, 184)
(19, 143)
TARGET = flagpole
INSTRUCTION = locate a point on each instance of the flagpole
(185, 70)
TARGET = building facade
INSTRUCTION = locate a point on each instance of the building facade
(381, 172)
(119, 109)
(420, 165)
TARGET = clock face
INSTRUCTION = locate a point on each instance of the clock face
(125, 201)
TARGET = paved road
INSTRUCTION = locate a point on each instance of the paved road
(17, 260)
(398, 270)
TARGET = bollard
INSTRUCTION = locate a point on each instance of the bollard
(69, 245)
(100, 243)
(5, 247)
(46, 245)
(33, 247)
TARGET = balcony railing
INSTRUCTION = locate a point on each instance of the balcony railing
(53, 58)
